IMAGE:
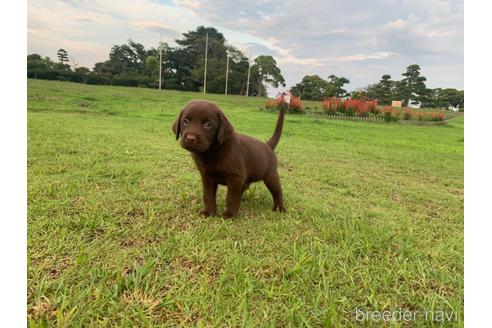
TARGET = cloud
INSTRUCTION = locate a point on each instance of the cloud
(339, 59)
(259, 49)
(156, 27)
(191, 4)
(312, 36)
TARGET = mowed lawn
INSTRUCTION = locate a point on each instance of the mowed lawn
(374, 218)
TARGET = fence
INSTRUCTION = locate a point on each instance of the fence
(423, 122)
(339, 117)
(370, 119)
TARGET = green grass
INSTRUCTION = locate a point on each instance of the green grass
(374, 218)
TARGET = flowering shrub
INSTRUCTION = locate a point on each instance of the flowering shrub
(276, 104)
(332, 105)
(387, 113)
(350, 106)
(407, 114)
(373, 106)
(440, 116)
(429, 116)
(364, 108)
(391, 114)
(272, 104)
(360, 107)
(295, 105)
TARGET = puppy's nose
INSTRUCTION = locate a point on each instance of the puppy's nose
(191, 138)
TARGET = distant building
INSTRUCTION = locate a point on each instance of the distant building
(396, 103)
(417, 105)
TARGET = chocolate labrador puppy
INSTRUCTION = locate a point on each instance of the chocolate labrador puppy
(227, 158)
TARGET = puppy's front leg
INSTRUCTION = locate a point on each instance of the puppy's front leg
(209, 199)
(235, 188)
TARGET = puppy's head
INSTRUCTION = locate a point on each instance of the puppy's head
(202, 126)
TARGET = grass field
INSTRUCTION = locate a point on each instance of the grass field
(374, 218)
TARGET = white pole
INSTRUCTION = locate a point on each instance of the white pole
(160, 63)
(249, 69)
(205, 73)
(227, 69)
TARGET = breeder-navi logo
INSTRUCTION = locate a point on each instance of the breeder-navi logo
(404, 315)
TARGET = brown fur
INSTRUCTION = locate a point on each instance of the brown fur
(227, 158)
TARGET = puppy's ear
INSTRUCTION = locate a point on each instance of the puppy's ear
(225, 130)
(177, 125)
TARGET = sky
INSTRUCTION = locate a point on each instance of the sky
(361, 40)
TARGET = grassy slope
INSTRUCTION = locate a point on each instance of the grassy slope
(375, 217)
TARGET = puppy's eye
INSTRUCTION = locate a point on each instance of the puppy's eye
(186, 122)
(208, 125)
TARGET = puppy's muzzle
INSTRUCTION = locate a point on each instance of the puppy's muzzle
(192, 143)
(191, 139)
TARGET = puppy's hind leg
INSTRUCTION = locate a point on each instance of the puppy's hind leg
(272, 181)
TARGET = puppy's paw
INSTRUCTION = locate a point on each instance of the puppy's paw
(279, 208)
(207, 212)
(228, 214)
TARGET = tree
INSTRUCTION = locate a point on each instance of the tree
(359, 94)
(189, 60)
(265, 67)
(453, 97)
(399, 91)
(152, 67)
(38, 67)
(383, 90)
(413, 86)
(127, 58)
(372, 91)
(298, 89)
(62, 56)
(81, 74)
(126, 66)
(443, 98)
(238, 71)
(184, 65)
(312, 87)
(335, 86)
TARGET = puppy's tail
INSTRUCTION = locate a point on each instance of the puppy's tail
(278, 130)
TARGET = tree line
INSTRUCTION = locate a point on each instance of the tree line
(183, 69)
(182, 66)
(411, 89)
